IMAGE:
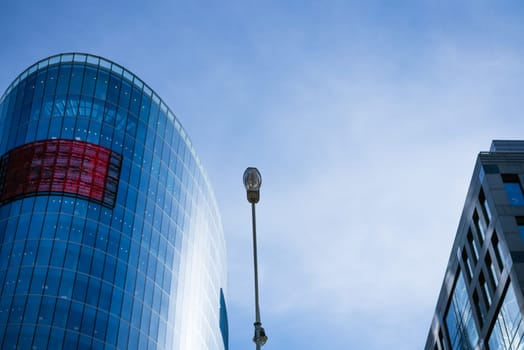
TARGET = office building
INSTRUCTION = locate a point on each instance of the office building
(110, 237)
(480, 305)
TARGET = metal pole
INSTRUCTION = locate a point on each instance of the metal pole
(260, 337)
(257, 307)
(255, 264)
(252, 182)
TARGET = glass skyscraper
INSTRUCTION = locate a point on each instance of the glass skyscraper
(110, 236)
(481, 304)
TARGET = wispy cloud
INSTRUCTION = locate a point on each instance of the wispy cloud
(364, 118)
(366, 177)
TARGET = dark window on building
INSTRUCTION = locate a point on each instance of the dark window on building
(485, 289)
(520, 224)
(513, 189)
(485, 207)
(467, 264)
(479, 226)
(476, 304)
(473, 247)
(497, 249)
(490, 168)
(492, 271)
(441, 342)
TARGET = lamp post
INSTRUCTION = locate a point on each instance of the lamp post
(252, 182)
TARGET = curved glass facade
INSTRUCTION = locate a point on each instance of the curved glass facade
(110, 237)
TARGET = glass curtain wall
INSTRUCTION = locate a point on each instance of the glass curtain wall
(110, 237)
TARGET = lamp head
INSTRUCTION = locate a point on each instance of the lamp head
(252, 182)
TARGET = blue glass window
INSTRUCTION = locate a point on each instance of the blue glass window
(116, 302)
(63, 79)
(71, 339)
(460, 324)
(113, 90)
(134, 106)
(80, 288)
(75, 84)
(145, 110)
(37, 95)
(66, 284)
(125, 95)
(52, 282)
(38, 282)
(41, 335)
(513, 189)
(56, 338)
(24, 279)
(105, 297)
(26, 337)
(88, 322)
(61, 312)
(514, 192)
(112, 330)
(70, 106)
(50, 82)
(44, 252)
(100, 326)
(31, 309)
(89, 81)
(102, 81)
(508, 331)
(47, 308)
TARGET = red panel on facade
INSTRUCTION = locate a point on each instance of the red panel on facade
(60, 166)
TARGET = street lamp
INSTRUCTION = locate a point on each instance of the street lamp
(252, 182)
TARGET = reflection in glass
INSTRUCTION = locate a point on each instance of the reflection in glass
(508, 331)
(461, 327)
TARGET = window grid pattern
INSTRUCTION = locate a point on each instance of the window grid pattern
(77, 274)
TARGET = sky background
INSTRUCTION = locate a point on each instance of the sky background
(364, 118)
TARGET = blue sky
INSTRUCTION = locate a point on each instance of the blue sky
(364, 117)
